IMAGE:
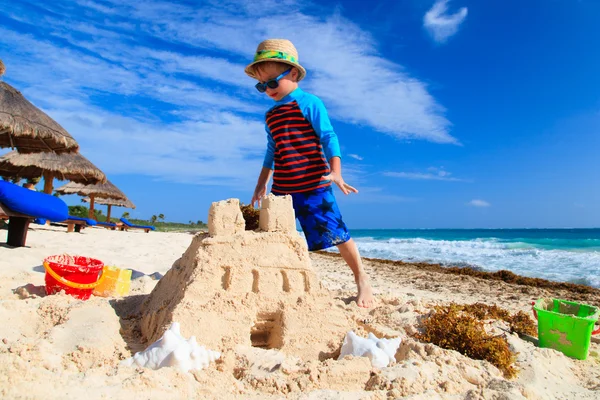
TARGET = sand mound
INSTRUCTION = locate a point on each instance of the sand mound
(252, 288)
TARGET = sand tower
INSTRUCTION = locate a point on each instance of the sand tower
(253, 288)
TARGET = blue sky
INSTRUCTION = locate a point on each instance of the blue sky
(457, 114)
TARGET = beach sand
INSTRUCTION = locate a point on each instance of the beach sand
(60, 347)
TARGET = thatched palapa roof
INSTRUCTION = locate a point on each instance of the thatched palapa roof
(111, 202)
(68, 166)
(105, 190)
(27, 128)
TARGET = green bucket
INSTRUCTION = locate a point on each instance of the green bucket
(566, 326)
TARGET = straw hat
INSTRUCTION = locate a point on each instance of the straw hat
(277, 50)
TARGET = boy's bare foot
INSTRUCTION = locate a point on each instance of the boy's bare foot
(365, 297)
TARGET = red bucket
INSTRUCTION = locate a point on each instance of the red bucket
(76, 275)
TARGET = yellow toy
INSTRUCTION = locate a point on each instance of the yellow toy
(116, 282)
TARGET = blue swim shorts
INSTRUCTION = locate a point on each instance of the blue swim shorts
(320, 218)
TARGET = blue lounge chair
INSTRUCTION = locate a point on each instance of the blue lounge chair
(76, 223)
(110, 225)
(126, 225)
(20, 206)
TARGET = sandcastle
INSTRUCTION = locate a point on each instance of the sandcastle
(254, 288)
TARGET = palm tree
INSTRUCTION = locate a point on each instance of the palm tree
(125, 215)
(153, 219)
(161, 217)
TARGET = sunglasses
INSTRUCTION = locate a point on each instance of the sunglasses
(271, 83)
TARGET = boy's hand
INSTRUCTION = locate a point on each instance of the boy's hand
(339, 181)
(259, 193)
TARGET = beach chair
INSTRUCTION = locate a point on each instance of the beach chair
(128, 225)
(108, 225)
(20, 206)
(17, 226)
(75, 224)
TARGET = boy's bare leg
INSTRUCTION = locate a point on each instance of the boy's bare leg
(350, 254)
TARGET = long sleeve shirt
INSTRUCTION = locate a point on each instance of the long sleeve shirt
(300, 141)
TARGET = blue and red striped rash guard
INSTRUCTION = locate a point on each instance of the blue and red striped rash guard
(298, 133)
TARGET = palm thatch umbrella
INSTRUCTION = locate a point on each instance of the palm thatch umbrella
(68, 166)
(27, 128)
(111, 202)
(101, 190)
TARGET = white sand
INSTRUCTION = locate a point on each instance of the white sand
(60, 347)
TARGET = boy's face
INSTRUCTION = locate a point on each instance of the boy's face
(267, 71)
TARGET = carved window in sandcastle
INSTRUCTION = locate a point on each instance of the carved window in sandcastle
(226, 278)
(255, 279)
(306, 280)
(286, 281)
(266, 333)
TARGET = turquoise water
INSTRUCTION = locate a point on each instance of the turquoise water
(571, 255)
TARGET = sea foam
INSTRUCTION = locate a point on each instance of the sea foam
(519, 257)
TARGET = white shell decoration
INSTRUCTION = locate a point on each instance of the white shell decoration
(173, 350)
(381, 352)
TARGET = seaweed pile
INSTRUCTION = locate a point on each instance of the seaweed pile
(462, 328)
(251, 215)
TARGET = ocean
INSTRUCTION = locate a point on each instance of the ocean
(565, 255)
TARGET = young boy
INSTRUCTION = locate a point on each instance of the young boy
(298, 132)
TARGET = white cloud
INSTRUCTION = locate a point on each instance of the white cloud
(440, 24)
(374, 92)
(479, 203)
(356, 157)
(159, 89)
(435, 174)
(218, 148)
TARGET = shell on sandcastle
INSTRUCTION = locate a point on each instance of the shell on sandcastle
(173, 350)
(381, 352)
(254, 288)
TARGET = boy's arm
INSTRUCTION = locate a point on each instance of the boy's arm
(270, 154)
(260, 190)
(261, 186)
(336, 176)
(319, 119)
